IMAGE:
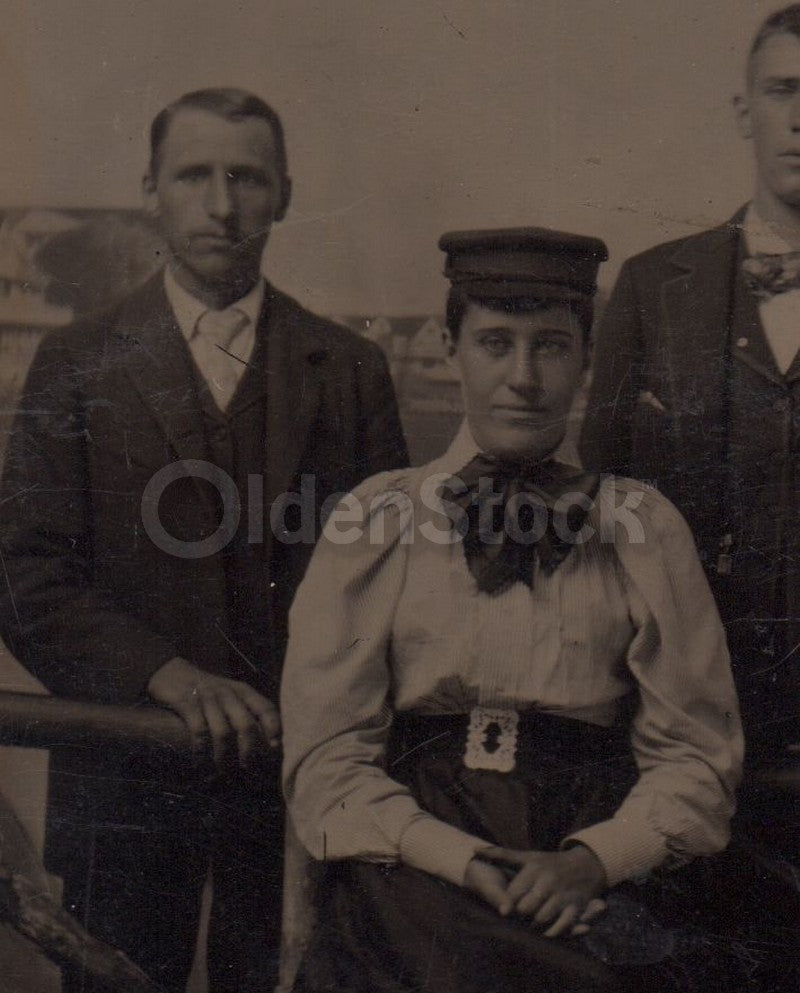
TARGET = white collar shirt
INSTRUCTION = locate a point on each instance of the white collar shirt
(780, 315)
(221, 364)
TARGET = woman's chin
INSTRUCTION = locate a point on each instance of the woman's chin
(520, 445)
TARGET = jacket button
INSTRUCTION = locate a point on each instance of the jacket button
(781, 405)
(220, 433)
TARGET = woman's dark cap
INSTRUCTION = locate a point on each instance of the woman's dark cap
(536, 263)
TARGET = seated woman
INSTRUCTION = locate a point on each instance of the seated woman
(507, 692)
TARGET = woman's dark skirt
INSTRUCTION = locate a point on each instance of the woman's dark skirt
(394, 929)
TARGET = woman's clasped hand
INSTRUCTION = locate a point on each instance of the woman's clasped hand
(560, 890)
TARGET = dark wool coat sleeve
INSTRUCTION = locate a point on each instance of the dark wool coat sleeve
(58, 618)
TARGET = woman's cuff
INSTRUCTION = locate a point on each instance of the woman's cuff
(438, 848)
(625, 849)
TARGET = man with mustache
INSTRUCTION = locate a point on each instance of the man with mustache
(164, 465)
(697, 388)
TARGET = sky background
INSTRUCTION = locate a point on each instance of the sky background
(404, 118)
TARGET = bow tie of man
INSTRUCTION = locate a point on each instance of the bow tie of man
(767, 276)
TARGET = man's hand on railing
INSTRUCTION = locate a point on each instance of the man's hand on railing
(231, 717)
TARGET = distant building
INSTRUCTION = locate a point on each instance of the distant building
(23, 285)
(425, 358)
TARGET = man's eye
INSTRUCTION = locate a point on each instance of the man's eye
(494, 345)
(248, 178)
(552, 346)
(781, 89)
(192, 175)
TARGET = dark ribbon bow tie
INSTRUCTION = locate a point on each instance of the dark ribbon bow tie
(768, 275)
(511, 518)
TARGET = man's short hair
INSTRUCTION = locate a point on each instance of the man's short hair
(227, 102)
(785, 21)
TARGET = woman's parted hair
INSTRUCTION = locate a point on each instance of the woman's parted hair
(458, 300)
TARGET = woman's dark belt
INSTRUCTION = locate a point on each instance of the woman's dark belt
(497, 739)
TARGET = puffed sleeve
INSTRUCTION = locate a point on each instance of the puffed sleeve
(686, 735)
(335, 695)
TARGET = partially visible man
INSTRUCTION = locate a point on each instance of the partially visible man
(697, 388)
(151, 551)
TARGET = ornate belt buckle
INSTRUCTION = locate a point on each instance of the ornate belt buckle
(491, 739)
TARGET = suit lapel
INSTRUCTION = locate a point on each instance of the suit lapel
(696, 304)
(296, 359)
(793, 372)
(749, 342)
(160, 369)
(254, 384)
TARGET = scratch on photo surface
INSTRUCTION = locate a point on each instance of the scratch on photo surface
(339, 212)
(19, 493)
(244, 362)
(450, 24)
(7, 579)
(95, 776)
(422, 744)
(434, 942)
(779, 663)
(236, 649)
(700, 224)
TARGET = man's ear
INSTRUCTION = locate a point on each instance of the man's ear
(286, 198)
(150, 196)
(741, 107)
(450, 346)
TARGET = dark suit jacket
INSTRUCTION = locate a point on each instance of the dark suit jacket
(656, 405)
(660, 410)
(89, 603)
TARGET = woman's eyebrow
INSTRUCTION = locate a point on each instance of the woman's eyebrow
(561, 332)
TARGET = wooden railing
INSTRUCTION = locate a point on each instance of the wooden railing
(26, 904)
(34, 721)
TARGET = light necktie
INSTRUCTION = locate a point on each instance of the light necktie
(211, 347)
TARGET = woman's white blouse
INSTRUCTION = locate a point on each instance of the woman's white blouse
(389, 618)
